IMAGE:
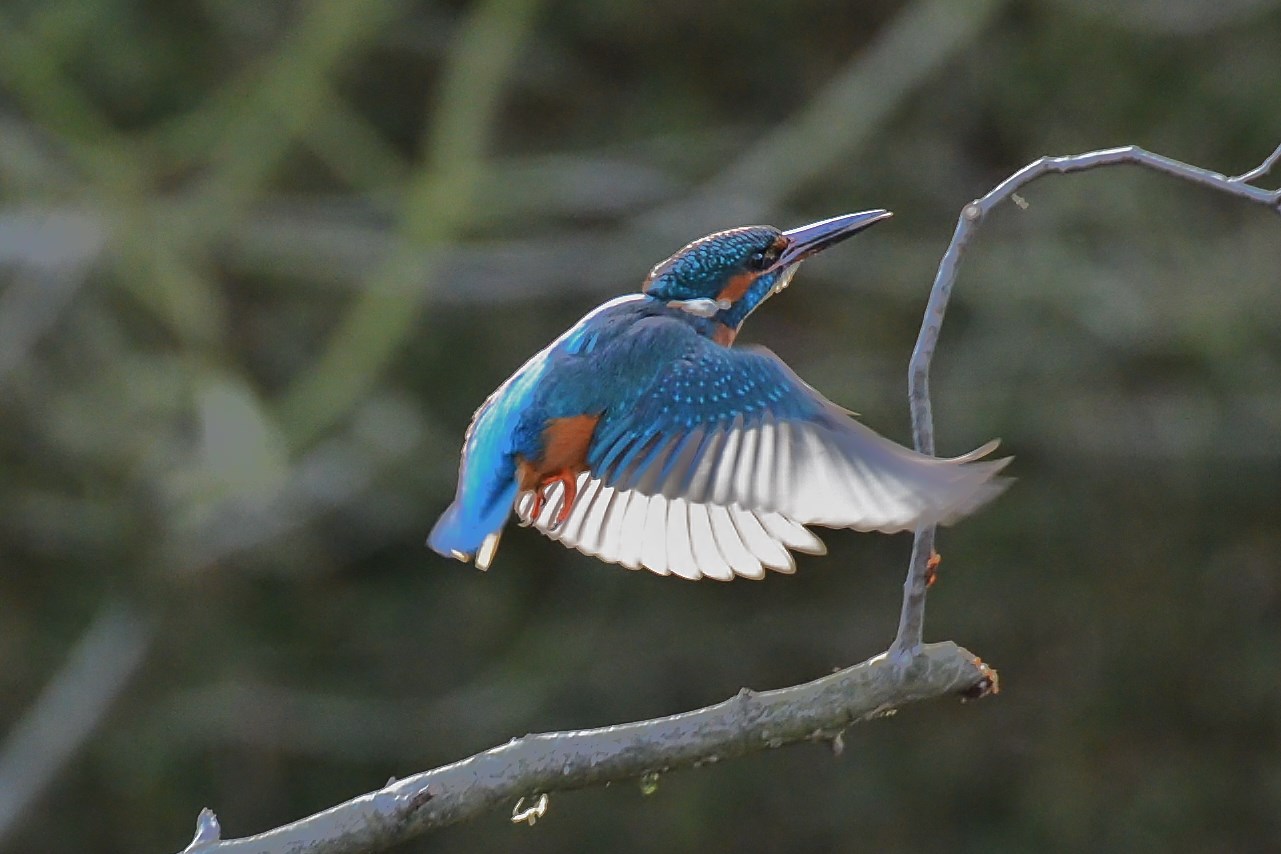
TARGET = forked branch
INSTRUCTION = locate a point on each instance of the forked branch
(912, 618)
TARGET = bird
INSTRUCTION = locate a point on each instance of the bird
(644, 437)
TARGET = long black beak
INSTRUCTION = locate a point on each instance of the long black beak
(815, 237)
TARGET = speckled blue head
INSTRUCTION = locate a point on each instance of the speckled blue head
(728, 274)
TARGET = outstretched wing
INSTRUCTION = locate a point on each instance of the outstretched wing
(723, 457)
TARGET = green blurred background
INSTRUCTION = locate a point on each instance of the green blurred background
(260, 261)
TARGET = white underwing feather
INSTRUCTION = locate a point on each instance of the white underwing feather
(736, 553)
(654, 545)
(680, 560)
(707, 552)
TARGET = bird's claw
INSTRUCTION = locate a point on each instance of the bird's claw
(932, 569)
(570, 482)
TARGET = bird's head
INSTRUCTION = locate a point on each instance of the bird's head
(726, 275)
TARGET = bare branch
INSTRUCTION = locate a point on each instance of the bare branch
(553, 762)
(912, 618)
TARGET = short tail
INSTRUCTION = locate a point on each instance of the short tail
(461, 538)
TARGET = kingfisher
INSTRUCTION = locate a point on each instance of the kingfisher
(642, 436)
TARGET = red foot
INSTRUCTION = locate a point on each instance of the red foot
(570, 481)
(932, 569)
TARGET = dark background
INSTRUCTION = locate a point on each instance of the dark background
(260, 261)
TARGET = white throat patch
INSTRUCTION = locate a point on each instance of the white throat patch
(702, 307)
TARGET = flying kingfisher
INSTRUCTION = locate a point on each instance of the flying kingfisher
(643, 437)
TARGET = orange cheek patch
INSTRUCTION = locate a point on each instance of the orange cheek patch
(724, 335)
(737, 286)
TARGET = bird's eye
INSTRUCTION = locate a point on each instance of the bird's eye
(763, 259)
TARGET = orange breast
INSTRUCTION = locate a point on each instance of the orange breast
(565, 443)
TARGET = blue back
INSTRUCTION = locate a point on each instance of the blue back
(558, 382)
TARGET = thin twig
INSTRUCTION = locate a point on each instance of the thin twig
(907, 642)
(551, 762)
(1262, 169)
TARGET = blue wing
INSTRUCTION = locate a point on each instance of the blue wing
(714, 467)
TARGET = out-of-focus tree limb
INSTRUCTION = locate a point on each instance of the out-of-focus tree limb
(854, 105)
(69, 709)
(1181, 17)
(246, 129)
(436, 205)
(551, 762)
(912, 618)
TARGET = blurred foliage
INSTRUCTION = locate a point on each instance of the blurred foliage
(260, 261)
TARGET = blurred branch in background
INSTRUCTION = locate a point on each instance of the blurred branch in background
(69, 709)
(335, 244)
(51, 255)
(437, 203)
(503, 697)
(537, 765)
(842, 116)
(1185, 17)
